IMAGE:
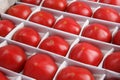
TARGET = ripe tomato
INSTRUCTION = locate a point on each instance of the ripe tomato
(55, 4)
(5, 27)
(69, 25)
(2, 76)
(86, 53)
(20, 10)
(98, 32)
(112, 62)
(116, 38)
(40, 67)
(80, 8)
(44, 18)
(28, 36)
(12, 57)
(113, 2)
(74, 73)
(55, 44)
(36, 2)
(107, 13)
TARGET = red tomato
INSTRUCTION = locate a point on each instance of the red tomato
(44, 18)
(5, 27)
(40, 67)
(12, 57)
(112, 62)
(74, 73)
(3, 77)
(80, 8)
(55, 4)
(116, 38)
(28, 36)
(107, 13)
(69, 25)
(86, 53)
(20, 10)
(98, 32)
(55, 44)
(36, 2)
(113, 2)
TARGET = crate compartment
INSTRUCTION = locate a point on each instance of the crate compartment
(97, 75)
(111, 27)
(104, 48)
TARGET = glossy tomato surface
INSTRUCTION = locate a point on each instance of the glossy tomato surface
(113, 2)
(3, 77)
(79, 8)
(86, 53)
(98, 32)
(6, 26)
(107, 13)
(12, 57)
(43, 17)
(20, 11)
(69, 25)
(116, 38)
(55, 44)
(40, 67)
(35, 2)
(112, 62)
(28, 36)
(55, 4)
(74, 73)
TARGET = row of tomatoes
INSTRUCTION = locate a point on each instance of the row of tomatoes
(95, 31)
(43, 67)
(76, 7)
(49, 3)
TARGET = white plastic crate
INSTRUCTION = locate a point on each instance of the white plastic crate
(63, 61)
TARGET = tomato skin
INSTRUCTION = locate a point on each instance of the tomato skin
(12, 57)
(5, 27)
(40, 67)
(116, 38)
(82, 52)
(35, 2)
(55, 44)
(56, 4)
(74, 73)
(69, 25)
(80, 8)
(20, 11)
(28, 36)
(107, 13)
(2, 76)
(44, 18)
(112, 62)
(98, 32)
(113, 2)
